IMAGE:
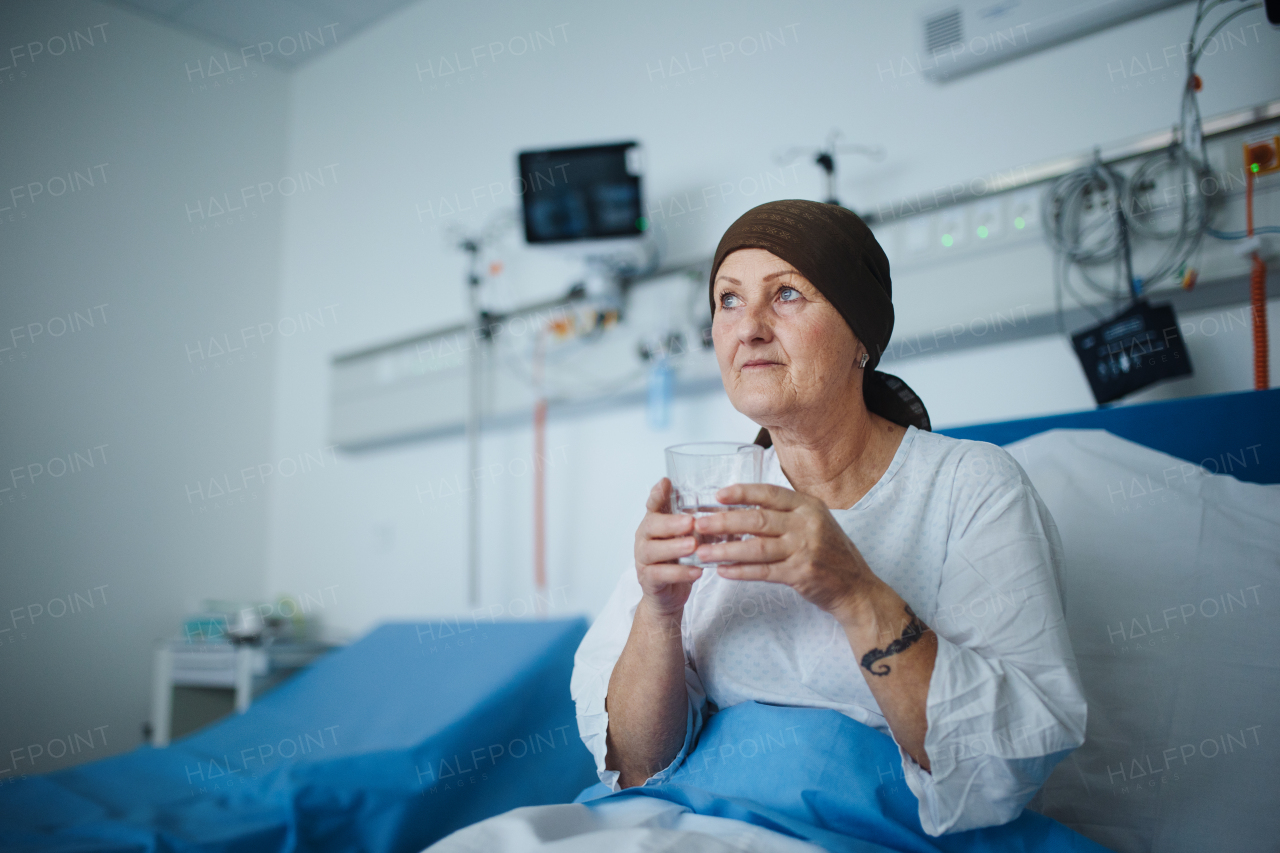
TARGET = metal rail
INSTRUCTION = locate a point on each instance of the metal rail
(1050, 169)
(923, 203)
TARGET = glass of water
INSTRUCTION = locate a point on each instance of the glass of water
(700, 469)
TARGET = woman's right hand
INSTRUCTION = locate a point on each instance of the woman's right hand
(661, 540)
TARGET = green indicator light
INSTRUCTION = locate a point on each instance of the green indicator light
(946, 240)
(1254, 168)
(1019, 223)
(982, 232)
(642, 224)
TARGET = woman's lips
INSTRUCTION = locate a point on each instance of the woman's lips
(759, 363)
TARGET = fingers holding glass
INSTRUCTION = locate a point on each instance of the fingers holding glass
(753, 550)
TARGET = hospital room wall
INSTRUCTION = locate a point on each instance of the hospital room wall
(425, 150)
(112, 293)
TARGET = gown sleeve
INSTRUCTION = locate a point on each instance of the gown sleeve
(593, 665)
(1005, 703)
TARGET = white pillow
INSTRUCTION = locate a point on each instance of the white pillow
(1172, 581)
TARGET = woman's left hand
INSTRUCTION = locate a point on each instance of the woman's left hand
(795, 541)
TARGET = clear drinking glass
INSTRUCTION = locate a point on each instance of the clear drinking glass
(700, 469)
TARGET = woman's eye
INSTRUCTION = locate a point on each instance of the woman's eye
(728, 300)
(789, 294)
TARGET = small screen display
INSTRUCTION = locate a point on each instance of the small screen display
(581, 193)
(1133, 349)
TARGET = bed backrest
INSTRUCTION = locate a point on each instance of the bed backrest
(1224, 433)
(1170, 578)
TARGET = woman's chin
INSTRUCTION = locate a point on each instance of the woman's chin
(759, 404)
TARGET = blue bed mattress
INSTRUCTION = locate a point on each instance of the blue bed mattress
(387, 745)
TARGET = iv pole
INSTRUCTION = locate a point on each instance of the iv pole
(481, 335)
(478, 336)
(825, 159)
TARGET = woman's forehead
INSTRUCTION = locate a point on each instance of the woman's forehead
(746, 264)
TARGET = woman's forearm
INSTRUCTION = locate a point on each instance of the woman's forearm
(647, 701)
(895, 651)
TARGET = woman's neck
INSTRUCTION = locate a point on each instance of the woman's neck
(840, 462)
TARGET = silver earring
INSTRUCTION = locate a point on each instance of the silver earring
(862, 363)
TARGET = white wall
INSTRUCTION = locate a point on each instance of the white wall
(136, 392)
(415, 143)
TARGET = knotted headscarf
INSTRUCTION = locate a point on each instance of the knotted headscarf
(836, 251)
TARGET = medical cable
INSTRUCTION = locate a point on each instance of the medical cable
(1090, 213)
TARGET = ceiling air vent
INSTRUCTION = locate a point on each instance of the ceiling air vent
(968, 35)
(942, 30)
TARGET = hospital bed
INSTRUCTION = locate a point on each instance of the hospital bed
(385, 745)
(416, 730)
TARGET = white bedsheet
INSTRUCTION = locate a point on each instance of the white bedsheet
(1172, 586)
(632, 825)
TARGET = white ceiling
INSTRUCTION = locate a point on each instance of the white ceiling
(240, 23)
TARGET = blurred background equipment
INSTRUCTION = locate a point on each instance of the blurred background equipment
(227, 654)
(825, 158)
(1137, 347)
(588, 199)
(586, 193)
(605, 347)
(1093, 216)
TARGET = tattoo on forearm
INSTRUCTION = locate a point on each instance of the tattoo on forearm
(910, 636)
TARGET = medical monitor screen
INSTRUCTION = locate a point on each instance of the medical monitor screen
(581, 193)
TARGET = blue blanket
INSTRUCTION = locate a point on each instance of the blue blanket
(815, 774)
(387, 745)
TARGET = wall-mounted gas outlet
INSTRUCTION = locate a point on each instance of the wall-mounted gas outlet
(1262, 155)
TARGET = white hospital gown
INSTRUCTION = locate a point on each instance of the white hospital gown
(956, 528)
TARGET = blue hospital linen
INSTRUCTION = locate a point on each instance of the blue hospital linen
(817, 775)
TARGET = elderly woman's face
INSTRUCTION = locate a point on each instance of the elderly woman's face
(784, 350)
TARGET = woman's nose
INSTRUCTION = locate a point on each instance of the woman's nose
(755, 324)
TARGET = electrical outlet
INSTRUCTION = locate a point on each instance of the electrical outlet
(1024, 210)
(951, 230)
(986, 221)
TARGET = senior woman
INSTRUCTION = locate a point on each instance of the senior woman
(906, 580)
(927, 601)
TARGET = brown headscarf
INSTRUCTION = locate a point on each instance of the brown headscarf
(836, 251)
